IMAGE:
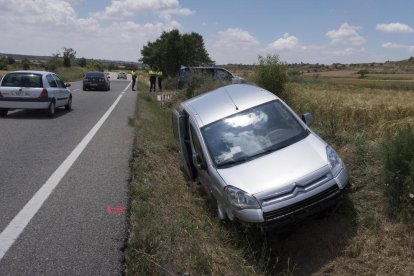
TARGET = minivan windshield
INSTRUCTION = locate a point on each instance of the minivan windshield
(252, 133)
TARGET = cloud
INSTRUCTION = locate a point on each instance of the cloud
(43, 27)
(235, 38)
(346, 34)
(391, 45)
(126, 8)
(233, 45)
(285, 43)
(395, 28)
(55, 12)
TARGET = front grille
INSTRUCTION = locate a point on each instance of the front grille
(317, 179)
(329, 195)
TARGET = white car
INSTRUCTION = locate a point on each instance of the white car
(259, 161)
(33, 90)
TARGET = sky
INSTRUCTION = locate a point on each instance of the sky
(234, 31)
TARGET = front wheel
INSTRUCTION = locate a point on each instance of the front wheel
(51, 109)
(3, 112)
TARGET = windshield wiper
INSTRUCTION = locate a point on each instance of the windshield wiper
(248, 158)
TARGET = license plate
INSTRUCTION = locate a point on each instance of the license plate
(18, 93)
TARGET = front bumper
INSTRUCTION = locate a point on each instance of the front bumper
(24, 103)
(316, 194)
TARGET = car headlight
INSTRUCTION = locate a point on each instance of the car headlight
(240, 199)
(335, 161)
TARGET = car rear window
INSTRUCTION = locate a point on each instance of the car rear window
(22, 80)
(94, 75)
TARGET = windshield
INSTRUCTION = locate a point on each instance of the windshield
(252, 133)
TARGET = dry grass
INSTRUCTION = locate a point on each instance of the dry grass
(355, 121)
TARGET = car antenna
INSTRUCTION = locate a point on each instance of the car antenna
(227, 92)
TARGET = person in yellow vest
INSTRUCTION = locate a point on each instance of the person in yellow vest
(159, 77)
(134, 78)
(153, 78)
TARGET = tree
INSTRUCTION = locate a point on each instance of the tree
(271, 75)
(111, 66)
(3, 63)
(68, 55)
(55, 62)
(11, 60)
(96, 65)
(172, 49)
(82, 62)
(362, 73)
(26, 64)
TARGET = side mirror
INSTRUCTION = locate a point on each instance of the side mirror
(67, 84)
(307, 118)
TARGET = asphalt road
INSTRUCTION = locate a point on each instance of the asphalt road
(81, 227)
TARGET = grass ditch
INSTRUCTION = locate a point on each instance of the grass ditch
(174, 230)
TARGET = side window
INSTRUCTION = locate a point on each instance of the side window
(223, 75)
(197, 144)
(59, 82)
(51, 81)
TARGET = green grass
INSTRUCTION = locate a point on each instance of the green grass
(73, 73)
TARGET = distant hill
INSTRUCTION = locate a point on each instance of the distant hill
(45, 59)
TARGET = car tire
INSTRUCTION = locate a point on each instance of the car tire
(51, 109)
(3, 112)
(68, 106)
(84, 88)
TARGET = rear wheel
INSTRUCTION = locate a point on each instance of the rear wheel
(51, 109)
(68, 106)
(3, 112)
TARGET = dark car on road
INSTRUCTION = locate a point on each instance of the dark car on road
(96, 80)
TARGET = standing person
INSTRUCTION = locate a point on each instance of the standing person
(134, 79)
(159, 76)
(153, 79)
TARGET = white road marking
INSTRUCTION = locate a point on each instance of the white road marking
(22, 219)
(75, 90)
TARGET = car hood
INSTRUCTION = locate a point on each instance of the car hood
(278, 169)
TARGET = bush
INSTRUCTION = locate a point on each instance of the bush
(398, 170)
(3, 63)
(271, 75)
(54, 63)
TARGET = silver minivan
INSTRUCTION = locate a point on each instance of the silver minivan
(259, 161)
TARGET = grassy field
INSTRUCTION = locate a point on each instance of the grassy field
(174, 230)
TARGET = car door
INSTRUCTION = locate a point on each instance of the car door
(198, 159)
(180, 121)
(53, 89)
(62, 94)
